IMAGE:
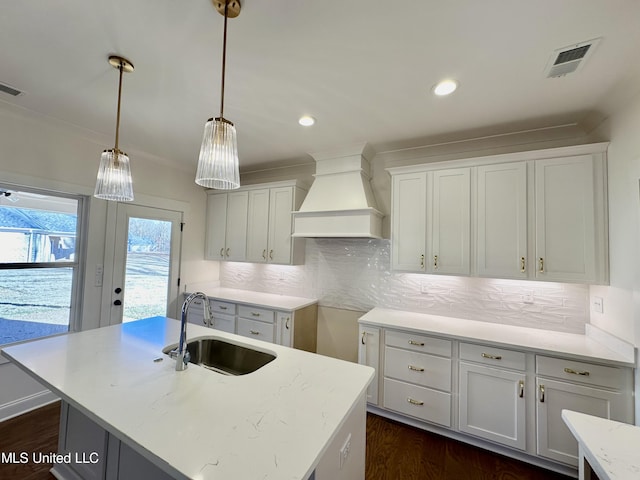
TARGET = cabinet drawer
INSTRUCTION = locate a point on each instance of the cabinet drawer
(254, 329)
(255, 313)
(419, 343)
(223, 307)
(420, 368)
(589, 373)
(496, 357)
(419, 402)
(226, 323)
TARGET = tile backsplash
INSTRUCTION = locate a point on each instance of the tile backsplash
(355, 274)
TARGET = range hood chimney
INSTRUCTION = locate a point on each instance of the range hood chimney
(340, 202)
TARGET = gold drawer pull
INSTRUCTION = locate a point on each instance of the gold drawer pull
(523, 265)
(415, 402)
(264, 254)
(222, 252)
(415, 369)
(227, 252)
(417, 344)
(541, 393)
(492, 357)
(222, 307)
(435, 262)
(255, 314)
(541, 265)
(363, 334)
(254, 332)
(422, 261)
(286, 325)
(584, 373)
(521, 386)
(270, 254)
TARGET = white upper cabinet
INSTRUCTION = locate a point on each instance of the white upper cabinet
(226, 233)
(565, 230)
(409, 222)
(254, 224)
(501, 202)
(539, 215)
(449, 222)
(258, 226)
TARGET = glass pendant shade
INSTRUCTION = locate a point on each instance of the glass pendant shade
(218, 162)
(114, 177)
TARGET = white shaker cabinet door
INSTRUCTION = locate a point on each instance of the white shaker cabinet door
(369, 354)
(449, 228)
(555, 441)
(216, 227)
(280, 225)
(409, 217)
(236, 244)
(492, 404)
(502, 220)
(258, 226)
(565, 225)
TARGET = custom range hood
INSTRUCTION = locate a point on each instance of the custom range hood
(340, 202)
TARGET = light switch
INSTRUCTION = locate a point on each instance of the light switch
(597, 304)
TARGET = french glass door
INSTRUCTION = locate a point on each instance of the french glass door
(146, 263)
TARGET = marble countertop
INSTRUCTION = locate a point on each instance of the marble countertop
(610, 447)
(197, 424)
(259, 299)
(581, 347)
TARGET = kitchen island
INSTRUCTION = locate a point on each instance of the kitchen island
(300, 416)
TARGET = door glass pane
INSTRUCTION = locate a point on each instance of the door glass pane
(146, 283)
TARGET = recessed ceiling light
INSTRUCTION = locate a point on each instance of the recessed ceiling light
(445, 87)
(306, 120)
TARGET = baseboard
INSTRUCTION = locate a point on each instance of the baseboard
(26, 404)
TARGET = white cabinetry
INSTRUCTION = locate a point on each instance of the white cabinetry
(448, 226)
(501, 200)
(492, 398)
(565, 224)
(417, 376)
(409, 222)
(597, 390)
(254, 224)
(538, 215)
(226, 232)
(295, 329)
(369, 354)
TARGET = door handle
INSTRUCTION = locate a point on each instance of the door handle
(117, 302)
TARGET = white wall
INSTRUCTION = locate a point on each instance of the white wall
(621, 312)
(42, 152)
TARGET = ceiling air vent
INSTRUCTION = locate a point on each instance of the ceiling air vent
(569, 59)
(4, 88)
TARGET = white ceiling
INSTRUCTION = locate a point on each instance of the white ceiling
(363, 68)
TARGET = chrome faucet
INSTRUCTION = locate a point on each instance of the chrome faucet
(181, 354)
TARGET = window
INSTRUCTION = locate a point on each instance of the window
(39, 262)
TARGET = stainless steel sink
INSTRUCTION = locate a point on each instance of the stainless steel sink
(225, 357)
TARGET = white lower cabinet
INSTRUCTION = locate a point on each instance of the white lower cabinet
(597, 390)
(492, 404)
(507, 400)
(369, 354)
(295, 329)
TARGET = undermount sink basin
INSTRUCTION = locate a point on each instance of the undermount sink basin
(225, 357)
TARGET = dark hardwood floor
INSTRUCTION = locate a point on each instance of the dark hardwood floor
(400, 452)
(394, 452)
(35, 431)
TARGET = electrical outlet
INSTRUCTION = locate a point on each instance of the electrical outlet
(527, 298)
(597, 304)
(98, 276)
(345, 451)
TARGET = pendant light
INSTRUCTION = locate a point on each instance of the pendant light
(218, 161)
(114, 174)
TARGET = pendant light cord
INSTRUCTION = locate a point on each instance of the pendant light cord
(224, 57)
(120, 68)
